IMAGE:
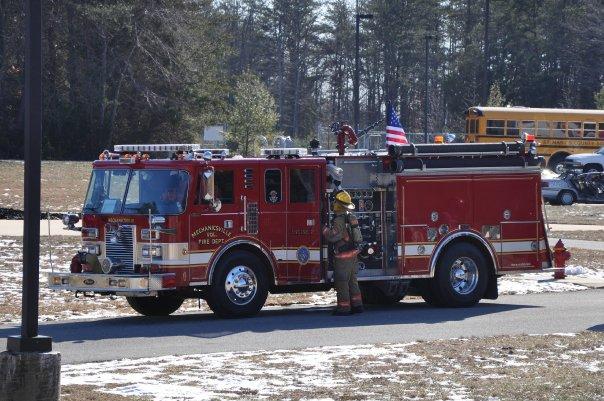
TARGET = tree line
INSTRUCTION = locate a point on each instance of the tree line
(159, 71)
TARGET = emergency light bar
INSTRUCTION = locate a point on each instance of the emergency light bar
(284, 152)
(184, 147)
(216, 153)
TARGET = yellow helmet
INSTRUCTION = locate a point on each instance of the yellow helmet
(343, 198)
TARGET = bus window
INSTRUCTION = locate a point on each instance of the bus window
(543, 129)
(495, 127)
(528, 127)
(601, 130)
(473, 127)
(559, 129)
(512, 128)
(574, 129)
(589, 130)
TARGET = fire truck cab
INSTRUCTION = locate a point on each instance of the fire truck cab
(442, 220)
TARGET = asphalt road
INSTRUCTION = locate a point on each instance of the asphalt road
(291, 328)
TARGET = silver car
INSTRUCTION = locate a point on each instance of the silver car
(573, 186)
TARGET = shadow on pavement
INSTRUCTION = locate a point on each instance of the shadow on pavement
(206, 325)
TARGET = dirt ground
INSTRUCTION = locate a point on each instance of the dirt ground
(582, 235)
(579, 213)
(64, 185)
(505, 368)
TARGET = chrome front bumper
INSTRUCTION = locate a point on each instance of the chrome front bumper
(113, 283)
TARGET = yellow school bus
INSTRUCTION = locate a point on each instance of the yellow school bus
(559, 132)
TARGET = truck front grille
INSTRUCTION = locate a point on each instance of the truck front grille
(119, 245)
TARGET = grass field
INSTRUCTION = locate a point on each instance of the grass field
(506, 368)
(64, 185)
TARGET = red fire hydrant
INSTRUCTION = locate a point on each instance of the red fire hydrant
(561, 255)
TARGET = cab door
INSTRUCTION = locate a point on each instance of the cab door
(210, 229)
(304, 188)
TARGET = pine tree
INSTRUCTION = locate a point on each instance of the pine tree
(252, 115)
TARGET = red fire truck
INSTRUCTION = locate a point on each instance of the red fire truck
(443, 220)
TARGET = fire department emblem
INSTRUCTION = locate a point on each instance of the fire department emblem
(303, 255)
(273, 197)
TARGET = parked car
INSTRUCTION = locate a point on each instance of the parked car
(586, 162)
(573, 186)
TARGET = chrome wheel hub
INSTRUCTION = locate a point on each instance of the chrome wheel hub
(464, 275)
(241, 285)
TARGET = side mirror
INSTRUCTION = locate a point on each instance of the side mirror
(206, 194)
(70, 220)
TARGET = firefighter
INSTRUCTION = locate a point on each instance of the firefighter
(345, 236)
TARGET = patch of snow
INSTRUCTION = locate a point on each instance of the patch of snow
(528, 283)
(228, 375)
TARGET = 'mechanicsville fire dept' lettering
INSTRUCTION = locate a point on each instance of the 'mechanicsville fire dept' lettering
(442, 221)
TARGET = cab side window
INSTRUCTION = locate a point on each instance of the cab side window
(224, 185)
(272, 186)
(302, 186)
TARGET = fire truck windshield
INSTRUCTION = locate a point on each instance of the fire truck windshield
(124, 191)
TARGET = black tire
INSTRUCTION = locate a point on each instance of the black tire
(442, 287)
(592, 168)
(383, 292)
(163, 305)
(239, 300)
(555, 162)
(566, 198)
(431, 298)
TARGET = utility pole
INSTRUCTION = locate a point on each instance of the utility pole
(30, 371)
(427, 38)
(355, 95)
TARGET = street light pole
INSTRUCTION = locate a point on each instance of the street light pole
(357, 62)
(427, 37)
(29, 340)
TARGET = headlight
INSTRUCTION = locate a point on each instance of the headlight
(88, 232)
(93, 249)
(151, 251)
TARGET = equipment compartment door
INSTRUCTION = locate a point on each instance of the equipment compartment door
(304, 188)
(506, 209)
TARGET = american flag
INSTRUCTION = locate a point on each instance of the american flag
(395, 134)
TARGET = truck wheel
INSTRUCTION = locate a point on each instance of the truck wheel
(461, 276)
(163, 305)
(555, 163)
(566, 198)
(239, 286)
(383, 292)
